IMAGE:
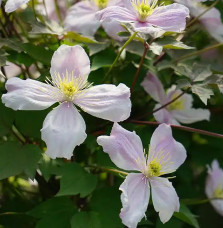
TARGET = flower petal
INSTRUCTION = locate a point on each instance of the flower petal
(124, 148)
(70, 59)
(191, 115)
(29, 94)
(170, 153)
(81, 18)
(63, 129)
(116, 13)
(170, 18)
(135, 198)
(164, 116)
(215, 181)
(165, 199)
(108, 102)
(153, 87)
(12, 5)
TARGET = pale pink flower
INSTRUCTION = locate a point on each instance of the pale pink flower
(81, 18)
(64, 128)
(214, 186)
(165, 156)
(211, 20)
(180, 111)
(146, 16)
(12, 5)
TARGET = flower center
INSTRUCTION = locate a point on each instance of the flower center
(144, 8)
(218, 193)
(101, 3)
(154, 168)
(69, 89)
(179, 104)
(69, 85)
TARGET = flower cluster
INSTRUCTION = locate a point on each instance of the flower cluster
(69, 90)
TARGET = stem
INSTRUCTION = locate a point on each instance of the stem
(170, 102)
(146, 48)
(183, 128)
(110, 170)
(197, 52)
(199, 16)
(120, 52)
(197, 201)
(58, 12)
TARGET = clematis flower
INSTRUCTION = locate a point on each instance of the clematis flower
(12, 5)
(81, 18)
(64, 128)
(146, 16)
(214, 186)
(165, 156)
(180, 111)
(211, 20)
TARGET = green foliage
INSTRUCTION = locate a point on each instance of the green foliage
(75, 180)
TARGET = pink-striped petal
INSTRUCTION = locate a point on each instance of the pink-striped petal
(29, 94)
(166, 150)
(165, 199)
(63, 130)
(108, 102)
(124, 148)
(135, 198)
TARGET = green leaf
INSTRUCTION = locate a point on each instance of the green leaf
(86, 220)
(75, 180)
(186, 216)
(15, 159)
(6, 120)
(106, 202)
(54, 213)
(39, 53)
(80, 38)
(167, 43)
(203, 93)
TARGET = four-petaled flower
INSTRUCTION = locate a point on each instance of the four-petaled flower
(180, 111)
(64, 128)
(165, 156)
(146, 16)
(81, 18)
(214, 186)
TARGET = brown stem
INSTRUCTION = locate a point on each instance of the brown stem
(146, 48)
(183, 128)
(170, 102)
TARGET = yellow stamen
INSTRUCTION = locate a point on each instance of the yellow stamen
(218, 193)
(154, 168)
(179, 104)
(144, 8)
(101, 3)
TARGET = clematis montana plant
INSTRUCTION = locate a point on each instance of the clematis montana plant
(165, 156)
(64, 128)
(146, 16)
(179, 111)
(81, 18)
(214, 186)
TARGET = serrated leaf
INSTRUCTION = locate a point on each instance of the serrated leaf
(183, 83)
(186, 216)
(75, 180)
(167, 43)
(86, 220)
(203, 93)
(50, 27)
